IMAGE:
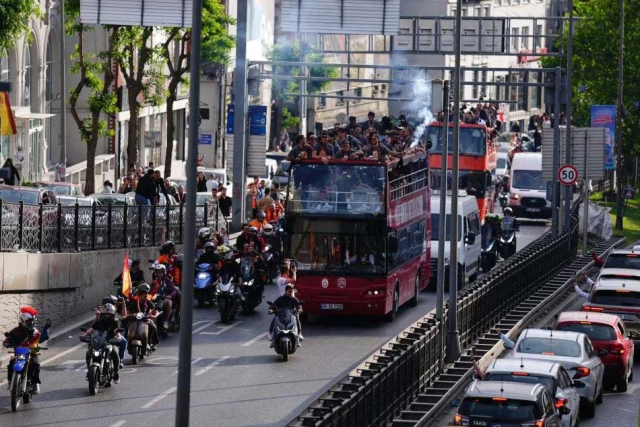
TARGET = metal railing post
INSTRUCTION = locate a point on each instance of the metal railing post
(20, 223)
(181, 223)
(140, 237)
(217, 213)
(40, 225)
(153, 225)
(109, 228)
(168, 235)
(75, 227)
(206, 213)
(93, 226)
(59, 231)
(124, 226)
(1, 210)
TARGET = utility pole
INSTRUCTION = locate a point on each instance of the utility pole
(555, 194)
(63, 96)
(567, 154)
(620, 113)
(186, 308)
(240, 126)
(453, 339)
(442, 223)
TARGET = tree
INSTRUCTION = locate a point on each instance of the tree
(15, 16)
(96, 77)
(216, 44)
(595, 66)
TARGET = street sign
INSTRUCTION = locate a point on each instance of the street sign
(206, 139)
(567, 175)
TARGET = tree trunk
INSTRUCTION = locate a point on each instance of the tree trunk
(92, 145)
(170, 135)
(133, 133)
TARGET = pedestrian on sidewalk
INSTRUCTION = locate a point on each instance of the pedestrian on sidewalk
(146, 189)
(224, 202)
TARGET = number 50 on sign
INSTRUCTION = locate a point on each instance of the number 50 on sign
(567, 174)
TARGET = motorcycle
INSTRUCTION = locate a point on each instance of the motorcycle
(21, 386)
(204, 284)
(489, 248)
(508, 241)
(226, 299)
(101, 367)
(503, 198)
(174, 317)
(285, 335)
(252, 283)
(138, 337)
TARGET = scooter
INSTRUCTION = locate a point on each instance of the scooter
(503, 198)
(138, 337)
(204, 287)
(252, 283)
(508, 243)
(489, 249)
(101, 366)
(226, 299)
(285, 335)
(174, 317)
(21, 386)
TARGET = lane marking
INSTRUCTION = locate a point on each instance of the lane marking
(64, 353)
(158, 398)
(202, 328)
(256, 339)
(222, 329)
(192, 363)
(119, 423)
(70, 365)
(211, 366)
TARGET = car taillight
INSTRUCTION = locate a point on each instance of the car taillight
(590, 308)
(539, 423)
(581, 373)
(560, 403)
(617, 348)
(459, 420)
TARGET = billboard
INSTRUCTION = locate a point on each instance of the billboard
(604, 116)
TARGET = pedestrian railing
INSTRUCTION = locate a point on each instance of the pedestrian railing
(58, 228)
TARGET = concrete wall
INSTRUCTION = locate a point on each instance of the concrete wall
(61, 286)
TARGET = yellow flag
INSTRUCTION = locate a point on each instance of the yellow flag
(8, 123)
(126, 277)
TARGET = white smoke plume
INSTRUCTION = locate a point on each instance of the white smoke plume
(421, 95)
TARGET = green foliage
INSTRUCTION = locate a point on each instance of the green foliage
(288, 120)
(595, 63)
(28, 184)
(216, 41)
(15, 16)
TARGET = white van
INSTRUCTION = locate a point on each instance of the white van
(528, 193)
(468, 237)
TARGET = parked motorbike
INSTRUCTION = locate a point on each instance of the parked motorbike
(101, 366)
(204, 290)
(489, 249)
(21, 386)
(285, 335)
(252, 283)
(138, 337)
(226, 299)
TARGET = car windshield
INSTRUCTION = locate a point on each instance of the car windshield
(338, 247)
(435, 226)
(500, 410)
(619, 297)
(548, 382)
(502, 163)
(472, 140)
(594, 331)
(528, 180)
(354, 190)
(113, 200)
(473, 182)
(16, 196)
(631, 261)
(549, 347)
(60, 190)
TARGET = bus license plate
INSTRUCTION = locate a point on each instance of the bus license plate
(331, 307)
(533, 209)
(631, 317)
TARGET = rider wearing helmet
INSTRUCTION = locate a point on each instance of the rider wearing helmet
(246, 237)
(140, 303)
(509, 222)
(168, 257)
(260, 220)
(26, 335)
(164, 286)
(107, 322)
(204, 236)
(209, 256)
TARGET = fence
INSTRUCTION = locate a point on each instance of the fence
(401, 370)
(58, 228)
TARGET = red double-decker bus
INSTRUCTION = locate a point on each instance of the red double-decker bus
(478, 160)
(359, 232)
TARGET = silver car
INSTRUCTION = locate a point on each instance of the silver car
(574, 351)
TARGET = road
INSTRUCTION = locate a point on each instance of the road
(237, 379)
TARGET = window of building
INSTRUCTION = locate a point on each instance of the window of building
(524, 40)
(323, 101)
(27, 76)
(464, 11)
(340, 95)
(358, 93)
(535, 94)
(514, 39)
(49, 72)
(486, 11)
(4, 66)
(539, 38)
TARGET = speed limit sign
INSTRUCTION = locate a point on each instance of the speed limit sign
(567, 174)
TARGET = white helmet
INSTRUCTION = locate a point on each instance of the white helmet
(27, 320)
(158, 267)
(204, 231)
(268, 230)
(109, 309)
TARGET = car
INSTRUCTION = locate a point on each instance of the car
(82, 201)
(622, 261)
(61, 188)
(550, 374)
(574, 351)
(116, 199)
(527, 191)
(608, 335)
(503, 165)
(493, 404)
(619, 296)
(27, 195)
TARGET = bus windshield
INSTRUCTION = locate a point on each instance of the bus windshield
(472, 181)
(320, 189)
(472, 140)
(338, 246)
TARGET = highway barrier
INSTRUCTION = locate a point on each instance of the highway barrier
(58, 228)
(383, 388)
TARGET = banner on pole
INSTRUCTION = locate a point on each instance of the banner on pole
(604, 116)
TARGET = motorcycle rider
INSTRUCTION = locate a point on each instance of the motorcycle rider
(204, 236)
(247, 236)
(107, 322)
(274, 241)
(26, 333)
(209, 256)
(169, 258)
(287, 301)
(509, 222)
(231, 271)
(260, 220)
(163, 285)
(141, 303)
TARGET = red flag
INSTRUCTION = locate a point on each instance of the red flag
(126, 277)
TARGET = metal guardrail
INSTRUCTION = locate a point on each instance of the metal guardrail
(57, 228)
(386, 385)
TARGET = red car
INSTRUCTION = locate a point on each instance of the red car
(612, 342)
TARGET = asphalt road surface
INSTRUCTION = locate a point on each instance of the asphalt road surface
(237, 379)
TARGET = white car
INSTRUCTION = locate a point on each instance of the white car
(622, 261)
(503, 165)
(574, 351)
(550, 374)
